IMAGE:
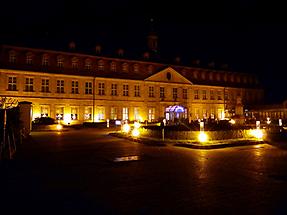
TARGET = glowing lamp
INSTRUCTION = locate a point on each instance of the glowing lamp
(137, 124)
(126, 128)
(135, 132)
(257, 133)
(232, 121)
(202, 137)
(59, 127)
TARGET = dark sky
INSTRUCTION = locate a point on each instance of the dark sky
(248, 35)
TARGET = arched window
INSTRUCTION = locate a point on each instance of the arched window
(88, 64)
(29, 58)
(75, 63)
(60, 61)
(136, 67)
(113, 66)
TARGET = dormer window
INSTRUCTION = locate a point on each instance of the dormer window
(211, 76)
(101, 65)
(150, 69)
(125, 67)
(202, 75)
(113, 66)
(12, 56)
(195, 74)
(238, 79)
(136, 67)
(218, 76)
(88, 64)
(232, 78)
(60, 61)
(45, 60)
(75, 63)
(29, 58)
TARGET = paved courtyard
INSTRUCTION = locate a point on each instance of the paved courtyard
(86, 171)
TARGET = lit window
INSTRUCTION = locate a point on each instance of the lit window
(60, 62)
(137, 90)
(88, 88)
(45, 85)
(75, 63)
(60, 113)
(161, 92)
(45, 111)
(174, 93)
(136, 67)
(74, 113)
(113, 66)
(125, 67)
(60, 86)
(101, 89)
(151, 91)
(136, 113)
(88, 113)
(75, 87)
(45, 60)
(151, 114)
(196, 94)
(29, 59)
(204, 97)
(101, 65)
(184, 93)
(12, 83)
(125, 90)
(29, 84)
(12, 56)
(101, 113)
(114, 91)
(88, 64)
(114, 113)
(125, 113)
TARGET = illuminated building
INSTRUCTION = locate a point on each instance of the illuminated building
(78, 88)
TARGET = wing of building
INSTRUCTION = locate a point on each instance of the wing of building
(79, 88)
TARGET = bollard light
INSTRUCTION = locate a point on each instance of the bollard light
(126, 128)
(202, 137)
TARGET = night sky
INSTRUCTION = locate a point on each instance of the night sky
(248, 35)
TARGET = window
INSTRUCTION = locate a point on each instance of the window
(150, 91)
(218, 76)
(12, 83)
(184, 93)
(174, 93)
(60, 113)
(75, 87)
(101, 89)
(114, 90)
(150, 69)
(88, 64)
(137, 113)
(211, 95)
(151, 114)
(136, 67)
(12, 57)
(101, 113)
(125, 90)
(204, 95)
(196, 96)
(125, 113)
(219, 96)
(101, 65)
(161, 92)
(88, 113)
(29, 59)
(60, 86)
(60, 62)
(113, 66)
(226, 97)
(75, 63)
(137, 90)
(74, 113)
(114, 113)
(125, 67)
(45, 85)
(88, 88)
(29, 84)
(45, 60)
(44, 111)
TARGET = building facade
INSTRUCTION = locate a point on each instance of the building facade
(77, 88)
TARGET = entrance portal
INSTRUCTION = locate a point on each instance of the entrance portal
(175, 113)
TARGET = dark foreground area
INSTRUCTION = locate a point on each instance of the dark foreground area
(87, 171)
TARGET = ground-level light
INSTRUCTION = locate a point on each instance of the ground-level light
(135, 132)
(59, 127)
(257, 133)
(202, 137)
(126, 128)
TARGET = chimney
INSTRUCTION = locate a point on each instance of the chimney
(98, 49)
(120, 52)
(211, 64)
(72, 45)
(196, 62)
(177, 60)
(146, 55)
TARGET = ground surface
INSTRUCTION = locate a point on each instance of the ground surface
(84, 172)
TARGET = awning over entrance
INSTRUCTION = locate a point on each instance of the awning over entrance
(175, 108)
